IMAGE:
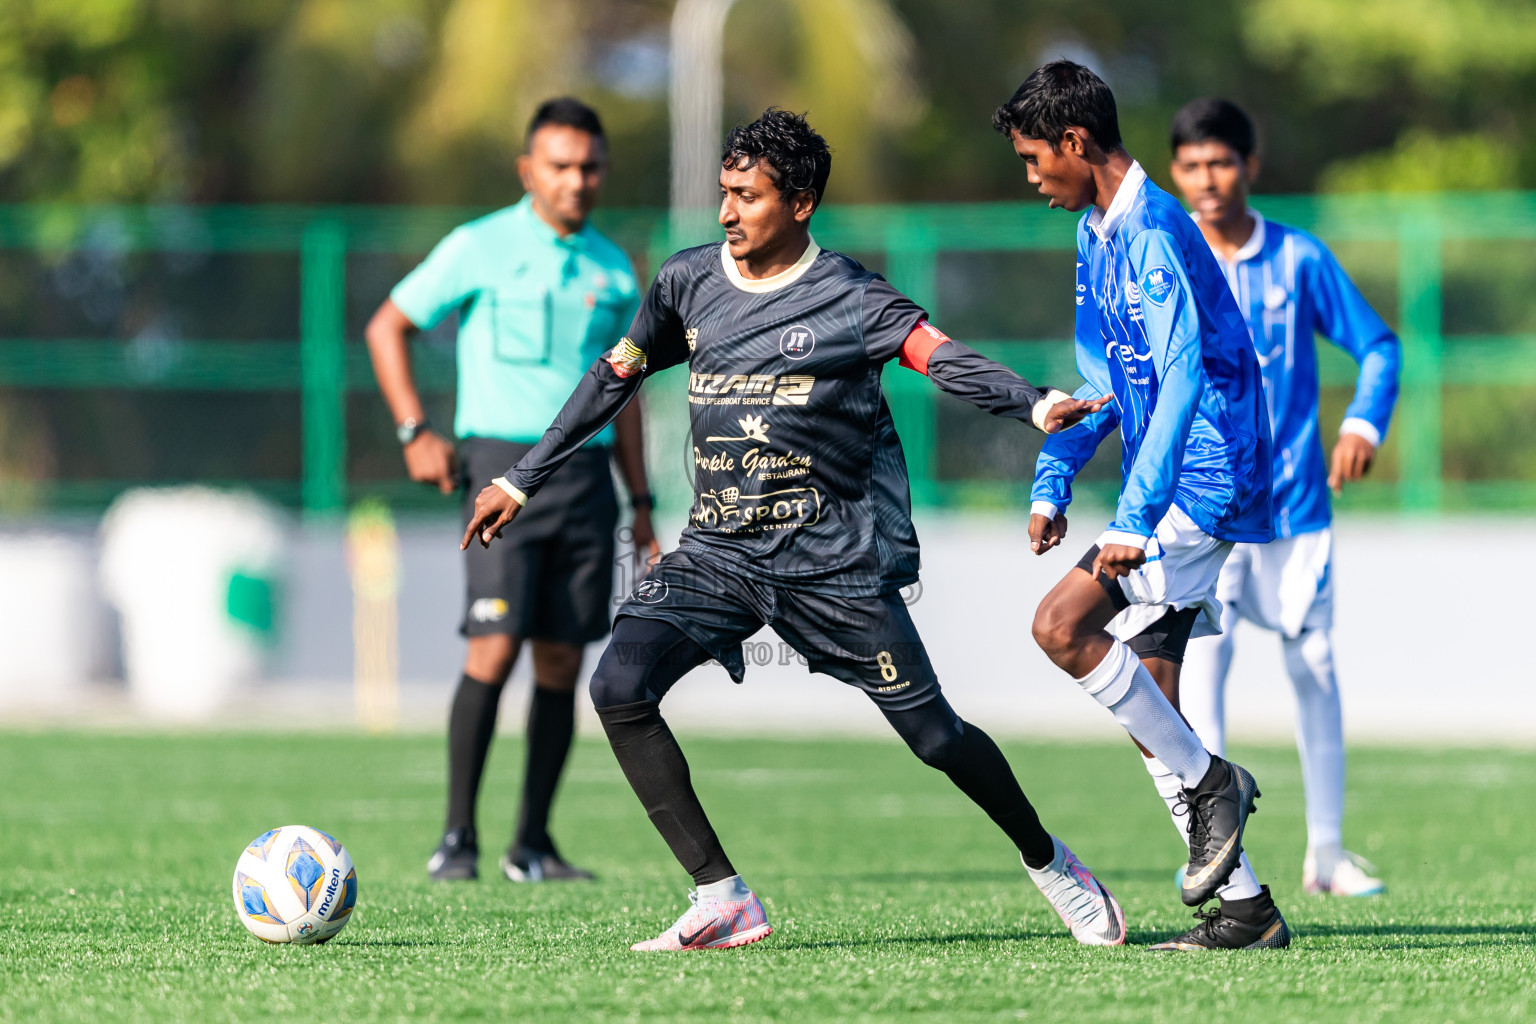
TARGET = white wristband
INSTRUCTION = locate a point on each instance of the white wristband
(1038, 413)
(1129, 540)
(1361, 428)
(1044, 508)
(506, 485)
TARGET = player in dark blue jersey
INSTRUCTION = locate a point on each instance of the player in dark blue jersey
(1158, 331)
(801, 519)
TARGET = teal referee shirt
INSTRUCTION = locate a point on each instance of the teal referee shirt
(535, 311)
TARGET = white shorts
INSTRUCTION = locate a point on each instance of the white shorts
(1285, 585)
(1182, 567)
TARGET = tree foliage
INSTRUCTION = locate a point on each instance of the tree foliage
(425, 100)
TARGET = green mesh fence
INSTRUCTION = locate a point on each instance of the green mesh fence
(165, 344)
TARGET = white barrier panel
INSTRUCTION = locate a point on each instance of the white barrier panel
(193, 572)
(51, 619)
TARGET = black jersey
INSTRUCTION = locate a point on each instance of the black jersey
(799, 477)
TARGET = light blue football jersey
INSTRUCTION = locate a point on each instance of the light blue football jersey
(1159, 331)
(1290, 287)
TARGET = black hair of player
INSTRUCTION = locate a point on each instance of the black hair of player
(793, 155)
(568, 112)
(1055, 97)
(1211, 119)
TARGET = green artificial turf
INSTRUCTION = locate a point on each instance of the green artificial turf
(891, 897)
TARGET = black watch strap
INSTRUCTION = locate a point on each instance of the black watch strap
(645, 500)
(411, 429)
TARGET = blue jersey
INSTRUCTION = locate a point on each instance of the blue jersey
(1158, 330)
(1290, 287)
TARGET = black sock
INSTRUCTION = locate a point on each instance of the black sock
(983, 774)
(471, 724)
(657, 771)
(551, 724)
(1253, 910)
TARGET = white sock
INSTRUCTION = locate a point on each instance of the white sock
(1122, 684)
(1244, 883)
(732, 890)
(1319, 734)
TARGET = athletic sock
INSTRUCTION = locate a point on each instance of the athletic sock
(653, 763)
(1243, 883)
(984, 775)
(551, 724)
(471, 725)
(1319, 734)
(1254, 909)
(732, 889)
(1123, 684)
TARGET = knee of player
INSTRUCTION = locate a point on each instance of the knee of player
(614, 684)
(939, 748)
(1053, 629)
(489, 658)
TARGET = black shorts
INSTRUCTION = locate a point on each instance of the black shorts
(868, 642)
(550, 575)
(1167, 638)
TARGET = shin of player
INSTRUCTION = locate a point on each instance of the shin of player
(1289, 288)
(1157, 332)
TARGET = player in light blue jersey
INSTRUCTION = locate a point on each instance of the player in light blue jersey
(1159, 333)
(1289, 287)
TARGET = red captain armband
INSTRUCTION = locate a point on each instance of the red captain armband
(919, 346)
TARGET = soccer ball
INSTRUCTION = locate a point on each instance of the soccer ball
(295, 884)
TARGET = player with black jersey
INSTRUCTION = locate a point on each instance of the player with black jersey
(801, 519)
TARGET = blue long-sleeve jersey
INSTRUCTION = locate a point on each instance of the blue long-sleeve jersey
(1158, 329)
(1290, 287)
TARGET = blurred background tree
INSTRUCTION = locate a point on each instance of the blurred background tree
(424, 100)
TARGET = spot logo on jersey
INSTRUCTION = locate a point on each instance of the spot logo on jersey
(1082, 292)
(1158, 283)
(797, 342)
(730, 511)
(749, 388)
(1275, 297)
(691, 336)
(651, 591)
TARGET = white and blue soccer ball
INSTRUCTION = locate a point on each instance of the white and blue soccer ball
(295, 884)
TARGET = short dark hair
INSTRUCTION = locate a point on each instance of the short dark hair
(1211, 119)
(1056, 96)
(566, 111)
(792, 154)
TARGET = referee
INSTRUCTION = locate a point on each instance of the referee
(540, 296)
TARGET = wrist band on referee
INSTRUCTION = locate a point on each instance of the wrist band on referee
(645, 500)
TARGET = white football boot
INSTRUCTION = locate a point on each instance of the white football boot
(1343, 874)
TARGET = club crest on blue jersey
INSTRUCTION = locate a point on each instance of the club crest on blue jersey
(1157, 284)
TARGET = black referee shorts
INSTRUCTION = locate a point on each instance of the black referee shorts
(550, 576)
(868, 642)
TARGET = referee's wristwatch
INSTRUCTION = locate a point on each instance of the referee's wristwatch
(645, 500)
(411, 429)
